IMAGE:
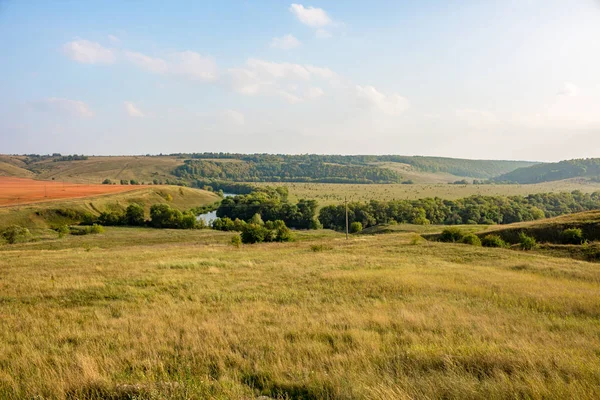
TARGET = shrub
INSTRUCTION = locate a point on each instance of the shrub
(572, 236)
(16, 233)
(124, 182)
(471, 239)
(63, 231)
(107, 182)
(493, 241)
(356, 227)
(320, 247)
(527, 242)
(236, 240)
(95, 229)
(253, 233)
(451, 235)
(416, 239)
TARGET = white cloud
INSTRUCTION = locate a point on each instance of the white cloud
(474, 117)
(63, 106)
(132, 110)
(113, 39)
(87, 52)
(279, 79)
(156, 65)
(314, 93)
(392, 105)
(193, 66)
(187, 64)
(286, 42)
(311, 16)
(235, 117)
(569, 89)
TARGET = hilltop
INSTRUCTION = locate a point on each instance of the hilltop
(548, 172)
(206, 167)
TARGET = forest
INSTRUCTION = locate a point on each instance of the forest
(460, 167)
(470, 210)
(271, 170)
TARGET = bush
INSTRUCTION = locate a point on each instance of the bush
(527, 242)
(95, 229)
(493, 241)
(236, 240)
(16, 233)
(572, 236)
(356, 227)
(451, 235)
(107, 182)
(471, 239)
(253, 233)
(63, 231)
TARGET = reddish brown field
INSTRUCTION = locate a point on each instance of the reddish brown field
(14, 191)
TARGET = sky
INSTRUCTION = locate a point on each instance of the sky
(504, 79)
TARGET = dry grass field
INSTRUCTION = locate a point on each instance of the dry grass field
(142, 313)
(333, 193)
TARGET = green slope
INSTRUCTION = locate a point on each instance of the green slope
(548, 172)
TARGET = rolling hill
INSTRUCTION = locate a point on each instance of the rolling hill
(548, 172)
(188, 168)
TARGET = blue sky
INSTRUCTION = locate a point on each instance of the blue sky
(510, 79)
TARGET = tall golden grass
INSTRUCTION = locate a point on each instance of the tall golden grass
(369, 318)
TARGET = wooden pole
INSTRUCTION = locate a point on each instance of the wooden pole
(346, 203)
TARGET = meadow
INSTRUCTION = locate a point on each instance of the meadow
(143, 313)
(332, 193)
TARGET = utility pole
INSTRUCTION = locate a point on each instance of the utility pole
(346, 204)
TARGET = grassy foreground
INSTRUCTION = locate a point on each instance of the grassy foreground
(372, 317)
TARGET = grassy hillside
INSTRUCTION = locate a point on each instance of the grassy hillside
(331, 193)
(550, 229)
(96, 169)
(368, 318)
(581, 168)
(256, 167)
(14, 166)
(52, 214)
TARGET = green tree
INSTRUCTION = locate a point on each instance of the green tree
(134, 215)
(356, 227)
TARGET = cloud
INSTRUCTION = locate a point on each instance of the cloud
(193, 66)
(87, 52)
(311, 16)
(132, 110)
(57, 105)
(156, 65)
(569, 89)
(278, 79)
(286, 42)
(235, 117)
(475, 118)
(113, 39)
(392, 105)
(314, 93)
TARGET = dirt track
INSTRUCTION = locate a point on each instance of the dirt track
(14, 191)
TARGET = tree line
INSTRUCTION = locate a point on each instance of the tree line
(471, 210)
(272, 170)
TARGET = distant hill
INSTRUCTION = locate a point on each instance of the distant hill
(547, 172)
(190, 168)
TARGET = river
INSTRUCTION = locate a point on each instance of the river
(209, 217)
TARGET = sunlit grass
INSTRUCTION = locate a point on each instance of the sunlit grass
(372, 317)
